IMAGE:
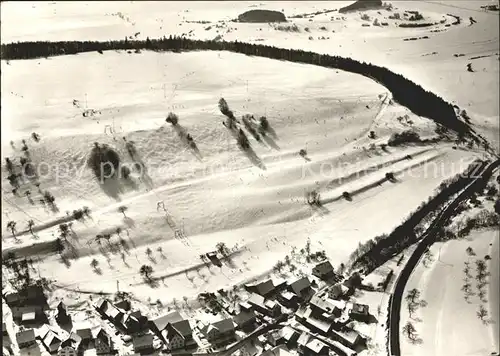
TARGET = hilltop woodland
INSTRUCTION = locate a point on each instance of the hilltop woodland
(404, 91)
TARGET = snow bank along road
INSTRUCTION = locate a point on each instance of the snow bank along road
(427, 240)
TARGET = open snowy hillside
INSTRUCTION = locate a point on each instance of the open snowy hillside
(221, 193)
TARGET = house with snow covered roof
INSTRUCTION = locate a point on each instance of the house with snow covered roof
(316, 347)
(220, 331)
(266, 307)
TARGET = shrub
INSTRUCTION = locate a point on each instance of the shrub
(172, 118)
(264, 123)
(224, 108)
(416, 17)
(104, 161)
(491, 191)
(287, 28)
(408, 136)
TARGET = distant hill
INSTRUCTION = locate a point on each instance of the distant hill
(362, 5)
(262, 16)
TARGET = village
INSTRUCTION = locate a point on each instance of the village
(308, 313)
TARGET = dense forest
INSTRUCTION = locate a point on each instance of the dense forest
(404, 91)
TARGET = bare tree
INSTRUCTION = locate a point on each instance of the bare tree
(122, 209)
(412, 308)
(148, 252)
(470, 251)
(64, 231)
(12, 226)
(172, 119)
(94, 263)
(482, 313)
(28, 196)
(222, 248)
(413, 295)
(86, 211)
(146, 271)
(410, 331)
(31, 223)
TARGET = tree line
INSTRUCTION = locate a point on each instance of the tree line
(404, 91)
(377, 251)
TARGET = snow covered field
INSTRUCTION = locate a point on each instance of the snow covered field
(254, 203)
(449, 323)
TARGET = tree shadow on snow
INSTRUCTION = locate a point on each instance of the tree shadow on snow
(269, 140)
(114, 187)
(321, 209)
(189, 143)
(129, 222)
(252, 156)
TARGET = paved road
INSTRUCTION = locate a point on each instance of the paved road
(428, 239)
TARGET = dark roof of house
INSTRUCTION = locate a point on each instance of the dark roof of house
(264, 288)
(243, 317)
(162, 322)
(123, 304)
(34, 291)
(182, 328)
(101, 334)
(12, 297)
(141, 341)
(323, 267)
(84, 333)
(25, 336)
(300, 284)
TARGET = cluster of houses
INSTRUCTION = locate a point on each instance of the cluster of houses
(77, 341)
(321, 316)
(29, 307)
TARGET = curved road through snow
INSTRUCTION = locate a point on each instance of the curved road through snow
(427, 240)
